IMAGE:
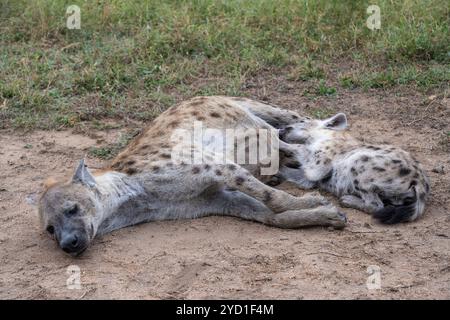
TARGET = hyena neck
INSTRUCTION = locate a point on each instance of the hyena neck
(116, 195)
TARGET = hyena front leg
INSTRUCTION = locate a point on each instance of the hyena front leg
(238, 204)
(236, 177)
(191, 191)
(289, 211)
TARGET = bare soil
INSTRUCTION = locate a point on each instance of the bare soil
(221, 257)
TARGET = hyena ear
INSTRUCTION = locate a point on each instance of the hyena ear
(83, 176)
(337, 122)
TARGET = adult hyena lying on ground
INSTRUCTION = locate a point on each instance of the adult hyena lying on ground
(383, 180)
(144, 183)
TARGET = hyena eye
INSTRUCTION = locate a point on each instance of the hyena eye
(72, 211)
(51, 229)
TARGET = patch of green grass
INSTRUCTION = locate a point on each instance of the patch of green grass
(306, 69)
(347, 82)
(321, 113)
(132, 59)
(110, 151)
(424, 78)
(324, 90)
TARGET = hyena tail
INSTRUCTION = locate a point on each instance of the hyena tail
(411, 208)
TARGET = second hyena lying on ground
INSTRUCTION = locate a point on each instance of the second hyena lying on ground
(380, 179)
(144, 183)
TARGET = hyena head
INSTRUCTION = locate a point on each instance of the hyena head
(67, 211)
(309, 130)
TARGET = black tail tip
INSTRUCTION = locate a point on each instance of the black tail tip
(394, 214)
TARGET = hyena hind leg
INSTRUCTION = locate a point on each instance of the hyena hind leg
(274, 116)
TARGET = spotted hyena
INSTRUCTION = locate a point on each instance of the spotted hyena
(383, 180)
(147, 183)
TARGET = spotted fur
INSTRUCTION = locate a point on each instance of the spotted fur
(143, 183)
(383, 180)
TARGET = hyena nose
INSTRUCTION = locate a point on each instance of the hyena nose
(69, 243)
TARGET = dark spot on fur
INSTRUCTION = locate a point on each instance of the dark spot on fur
(364, 158)
(239, 180)
(396, 161)
(267, 196)
(232, 167)
(215, 115)
(294, 116)
(195, 170)
(131, 171)
(194, 113)
(404, 171)
(327, 177)
(166, 156)
(353, 171)
(174, 124)
(218, 172)
(379, 169)
(155, 169)
(207, 167)
(293, 165)
(389, 181)
(318, 162)
(355, 182)
(196, 102)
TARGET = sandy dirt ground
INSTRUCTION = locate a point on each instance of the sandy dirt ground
(221, 257)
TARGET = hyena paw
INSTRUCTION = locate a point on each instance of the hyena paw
(316, 199)
(334, 217)
(348, 201)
